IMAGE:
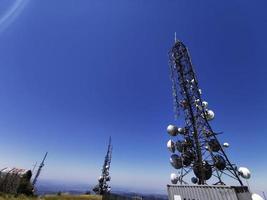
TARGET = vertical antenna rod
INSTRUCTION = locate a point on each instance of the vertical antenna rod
(39, 170)
(34, 166)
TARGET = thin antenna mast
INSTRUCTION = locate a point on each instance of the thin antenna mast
(264, 195)
(39, 170)
(34, 166)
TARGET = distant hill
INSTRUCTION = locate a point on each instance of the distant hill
(51, 197)
(145, 196)
(48, 187)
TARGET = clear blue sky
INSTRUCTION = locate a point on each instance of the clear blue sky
(74, 72)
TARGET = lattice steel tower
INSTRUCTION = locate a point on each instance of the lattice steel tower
(39, 170)
(199, 150)
(102, 187)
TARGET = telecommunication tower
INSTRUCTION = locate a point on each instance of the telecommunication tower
(102, 187)
(39, 170)
(198, 151)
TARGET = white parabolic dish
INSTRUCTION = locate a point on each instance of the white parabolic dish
(256, 197)
(244, 172)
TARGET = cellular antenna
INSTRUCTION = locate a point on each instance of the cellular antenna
(199, 152)
(102, 187)
(39, 170)
(175, 37)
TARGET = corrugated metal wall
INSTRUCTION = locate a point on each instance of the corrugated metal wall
(199, 192)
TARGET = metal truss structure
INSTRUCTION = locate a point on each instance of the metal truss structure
(102, 187)
(199, 150)
(39, 170)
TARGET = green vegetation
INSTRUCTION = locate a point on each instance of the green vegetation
(51, 197)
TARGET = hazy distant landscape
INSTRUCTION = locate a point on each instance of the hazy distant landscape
(52, 197)
(52, 188)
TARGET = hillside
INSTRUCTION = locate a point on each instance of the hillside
(52, 197)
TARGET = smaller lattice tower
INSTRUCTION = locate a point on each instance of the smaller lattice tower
(39, 170)
(102, 187)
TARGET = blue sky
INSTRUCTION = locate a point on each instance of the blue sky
(74, 72)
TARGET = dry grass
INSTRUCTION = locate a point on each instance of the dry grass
(12, 197)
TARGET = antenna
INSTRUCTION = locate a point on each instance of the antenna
(175, 37)
(199, 151)
(264, 195)
(102, 187)
(39, 170)
(34, 166)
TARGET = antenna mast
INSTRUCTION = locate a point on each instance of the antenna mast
(103, 187)
(199, 150)
(39, 170)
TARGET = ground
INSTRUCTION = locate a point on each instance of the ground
(52, 197)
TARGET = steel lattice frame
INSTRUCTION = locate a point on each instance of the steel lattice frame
(187, 99)
(39, 170)
(103, 187)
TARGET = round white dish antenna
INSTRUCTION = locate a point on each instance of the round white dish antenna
(171, 146)
(256, 197)
(226, 144)
(176, 161)
(181, 130)
(205, 104)
(174, 178)
(101, 178)
(210, 115)
(244, 172)
(172, 130)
